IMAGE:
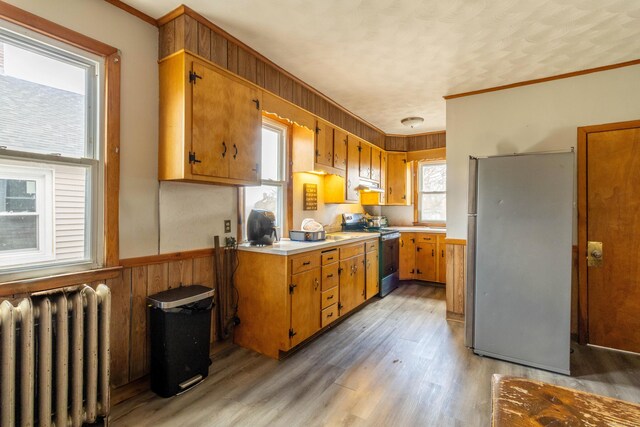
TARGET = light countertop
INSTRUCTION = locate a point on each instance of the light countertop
(290, 247)
(419, 229)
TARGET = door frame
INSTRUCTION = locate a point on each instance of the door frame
(583, 293)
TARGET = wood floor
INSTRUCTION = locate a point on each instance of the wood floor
(397, 362)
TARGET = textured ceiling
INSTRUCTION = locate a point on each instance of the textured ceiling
(388, 59)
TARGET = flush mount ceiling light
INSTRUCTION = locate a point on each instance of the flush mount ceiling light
(412, 122)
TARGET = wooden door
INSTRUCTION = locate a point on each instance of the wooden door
(324, 143)
(407, 256)
(372, 274)
(360, 283)
(426, 262)
(208, 122)
(339, 149)
(383, 177)
(375, 164)
(365, 161)
(613, 203)
(353, 170)
(305, 305)
(442, 259)
(244, 132)
(397, 179)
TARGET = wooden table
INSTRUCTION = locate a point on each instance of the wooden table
(519, 402)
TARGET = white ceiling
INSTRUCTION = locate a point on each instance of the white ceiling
(388, 59)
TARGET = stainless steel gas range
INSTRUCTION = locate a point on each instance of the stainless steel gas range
(389, 249)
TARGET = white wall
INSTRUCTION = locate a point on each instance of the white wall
(537, 117)
(187, 209)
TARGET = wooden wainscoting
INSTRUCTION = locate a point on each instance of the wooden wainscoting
(456, 278)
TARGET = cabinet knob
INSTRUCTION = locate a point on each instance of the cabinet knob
(235, 147)
(224, 146)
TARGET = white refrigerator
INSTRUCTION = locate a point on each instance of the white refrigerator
(519, 258)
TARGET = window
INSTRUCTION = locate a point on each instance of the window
(271, 194)
(432, 192)
(49, 145)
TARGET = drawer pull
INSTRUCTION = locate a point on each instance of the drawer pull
(330, 297)
(330, 258)
(329, 275)
(306, 263)
(330, 315)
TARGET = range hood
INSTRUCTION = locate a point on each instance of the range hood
(369, 187)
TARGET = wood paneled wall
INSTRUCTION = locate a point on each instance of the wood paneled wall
(130, 333)
(425, 141)
(186, 29)
(456, 278)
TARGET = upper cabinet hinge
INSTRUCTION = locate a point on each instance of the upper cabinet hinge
(291, 288)
(257, 101)
(318, 129)
(192, 158)
(404, 161)
(359, 148)
(193, 76)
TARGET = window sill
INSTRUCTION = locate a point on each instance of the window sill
(45, 283)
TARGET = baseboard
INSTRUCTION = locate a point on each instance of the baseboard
(455, 317)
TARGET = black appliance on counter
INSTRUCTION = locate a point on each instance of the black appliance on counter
(388, 250)
(261, 227)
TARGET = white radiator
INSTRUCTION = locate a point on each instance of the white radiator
(54, 358)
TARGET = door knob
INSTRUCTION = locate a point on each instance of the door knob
(594, 254)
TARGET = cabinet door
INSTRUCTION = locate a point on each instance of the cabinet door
(339, 149)
(397, 179)
(426, 262)
(244, 132)
(383, 177)
(208, 117)
(352, 283)
(442, 259)
(372, 274)
(407, 256)
(324, 143)
(365, 161)
(353, 168)
(305, 305)
(375, 164)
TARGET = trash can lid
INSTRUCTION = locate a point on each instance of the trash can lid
(180, 296)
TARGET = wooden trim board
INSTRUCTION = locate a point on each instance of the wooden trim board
(57, 281)
(452, 241)
(173, 256)
(545, 79)
(133, 11)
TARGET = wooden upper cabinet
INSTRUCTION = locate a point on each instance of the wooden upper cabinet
(375, 164)
(243, 132)
(398, 179)
(339, 149)
(353, 170)
(210, 124)
(324, 143)
(365, 161)
(383, 177)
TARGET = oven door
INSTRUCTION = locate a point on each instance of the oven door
(389, 262)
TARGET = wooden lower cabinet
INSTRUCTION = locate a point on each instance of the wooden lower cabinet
(284, 300)
(305, 292)
(352, 283)
(423, 257)
(407, 256)
(372, 274)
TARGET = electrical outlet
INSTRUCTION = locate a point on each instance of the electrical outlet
(227, 226)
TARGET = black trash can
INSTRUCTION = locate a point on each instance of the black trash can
(180, 327)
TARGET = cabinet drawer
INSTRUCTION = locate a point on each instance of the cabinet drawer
(304, 263)
(330, 276)
(426, 237)
(371, 246)
(351, 251)
(329, 256)
(329, 297)
(329, 314)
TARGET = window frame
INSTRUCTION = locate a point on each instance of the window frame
(418, 220)
(109, 151)
(282, 184)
